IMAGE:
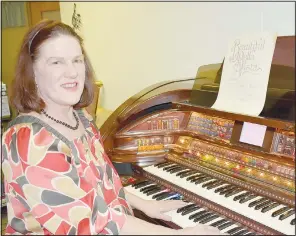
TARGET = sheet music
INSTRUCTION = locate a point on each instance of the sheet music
(4, 102)
(245, 74)
(5, 107)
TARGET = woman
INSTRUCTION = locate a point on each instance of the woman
(58, 178)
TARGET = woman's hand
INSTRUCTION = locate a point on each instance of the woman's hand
(156, 209)
(200, 229)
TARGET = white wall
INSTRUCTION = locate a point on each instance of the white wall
(135, 44)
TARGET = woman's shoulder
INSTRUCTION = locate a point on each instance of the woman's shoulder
(24, 126)
(84, 113)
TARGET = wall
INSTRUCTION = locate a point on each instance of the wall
(135, 44)
(10, 45)
(11, 42)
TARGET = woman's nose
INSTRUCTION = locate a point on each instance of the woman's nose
(71, 71)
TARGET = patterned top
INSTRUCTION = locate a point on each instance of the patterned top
(55, 186)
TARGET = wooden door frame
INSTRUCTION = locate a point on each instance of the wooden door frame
(35, 9)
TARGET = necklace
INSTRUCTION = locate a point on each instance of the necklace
(63, 123)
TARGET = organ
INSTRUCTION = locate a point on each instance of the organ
(167, 143)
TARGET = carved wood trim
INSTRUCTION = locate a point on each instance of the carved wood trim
(236, 181)
(285, 125)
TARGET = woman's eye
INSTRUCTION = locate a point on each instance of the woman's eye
(56, 62)
(78, 61)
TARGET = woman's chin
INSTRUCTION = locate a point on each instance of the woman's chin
(69, 102)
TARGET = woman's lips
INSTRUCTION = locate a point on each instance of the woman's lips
(70, 86)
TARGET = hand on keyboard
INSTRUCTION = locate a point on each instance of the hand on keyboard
(200, 229)
(156, 209)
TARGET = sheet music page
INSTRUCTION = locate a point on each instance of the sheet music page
(245, 74)
(5, 107)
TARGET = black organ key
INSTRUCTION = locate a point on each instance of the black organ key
(168, 168)
(235, 188)
(141, 184)
(163, 196)
(197, 177)
(287, 214)
(185, 208)
(159, 194)
(208, 219)
(197, 219)
(160, 163)
(219, 222)
(171, 195)
(280, 211)
(222, 188)
(263, 204)
(148, 187)
(292, 222)
(254, 203)
(183, 172)
(268, 208)
(209, 183)
(238, 197)
(224, 226)
(233, 192)
(172, 167)
(242, 232)
(247, 198)
(177, 169)
(224, 191)
(193, 176)
(202, 180)
(171, 170)
(234, 230)
(192, 209)
(164, 164)
(153, 191)
(214, 185)
(197, 214)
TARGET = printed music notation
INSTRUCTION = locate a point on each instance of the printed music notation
(245, 74)
(243, 56)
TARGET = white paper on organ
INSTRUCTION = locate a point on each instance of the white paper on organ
(253, 134)
(245, 74)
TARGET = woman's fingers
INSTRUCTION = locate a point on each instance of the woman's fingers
(169, 205)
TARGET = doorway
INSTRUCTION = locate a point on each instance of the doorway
(38, 11)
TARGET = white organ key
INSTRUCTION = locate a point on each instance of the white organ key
(229, 228)
(282, 226)
(177, 218)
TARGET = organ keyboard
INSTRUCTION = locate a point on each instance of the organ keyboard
(176, 147)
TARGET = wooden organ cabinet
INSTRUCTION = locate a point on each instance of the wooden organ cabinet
(167, 143)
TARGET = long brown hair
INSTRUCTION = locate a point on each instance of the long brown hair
(24, 95)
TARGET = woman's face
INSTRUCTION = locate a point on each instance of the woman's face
(60, 71)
